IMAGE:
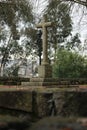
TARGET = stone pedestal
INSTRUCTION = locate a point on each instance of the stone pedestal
(45, 71)
(44, 79)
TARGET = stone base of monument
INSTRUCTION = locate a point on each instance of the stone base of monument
(44, 79)
(48, 82)
(45, 71)
(41, 82)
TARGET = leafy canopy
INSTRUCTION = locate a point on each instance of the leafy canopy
(69, 65)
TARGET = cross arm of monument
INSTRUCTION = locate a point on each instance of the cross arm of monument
(47, 24)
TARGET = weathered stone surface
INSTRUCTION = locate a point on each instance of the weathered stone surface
(44, 26)
(29, 101)
(45, 71)
(49, 82)
(40, 103)
(71, 103)
(21, 100)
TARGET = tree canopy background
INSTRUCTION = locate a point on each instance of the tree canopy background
(18, 31)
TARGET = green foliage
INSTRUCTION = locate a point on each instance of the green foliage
(59, 14)
(12, 48)
(69, 65)
(13, 16)
(74, 43)
(11, 13)
(9, 48)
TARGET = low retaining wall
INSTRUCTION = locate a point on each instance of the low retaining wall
(21, 100)
(71, 103)
(45, 103)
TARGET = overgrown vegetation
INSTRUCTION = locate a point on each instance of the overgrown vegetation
(17, 20)
(70, 65)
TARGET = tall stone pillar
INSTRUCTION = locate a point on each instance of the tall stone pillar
(45, 70)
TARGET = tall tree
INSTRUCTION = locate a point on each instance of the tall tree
(17, 17)
(13, 12)
(8, 48)
(59, 14)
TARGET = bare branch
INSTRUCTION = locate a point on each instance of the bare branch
(82, 2)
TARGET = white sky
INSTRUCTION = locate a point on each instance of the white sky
(79, 22)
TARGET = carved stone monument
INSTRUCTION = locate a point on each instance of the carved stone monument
(45, 70)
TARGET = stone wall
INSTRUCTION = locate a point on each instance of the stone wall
(29, 101)
(71, 103)
(40, 103)
(21, 100)
(43, 102)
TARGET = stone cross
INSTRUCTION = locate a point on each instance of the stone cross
(44, 26)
